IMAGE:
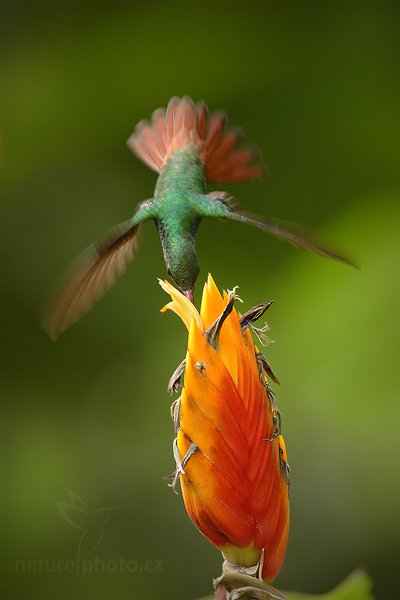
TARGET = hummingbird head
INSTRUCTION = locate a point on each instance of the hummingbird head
(184, 269)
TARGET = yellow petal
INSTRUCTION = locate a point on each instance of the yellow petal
(180, 305)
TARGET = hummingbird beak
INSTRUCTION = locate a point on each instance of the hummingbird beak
(188, 294)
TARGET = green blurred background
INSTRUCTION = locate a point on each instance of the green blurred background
(316, 85)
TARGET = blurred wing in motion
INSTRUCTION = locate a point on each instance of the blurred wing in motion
(289, 233)
(92, 274)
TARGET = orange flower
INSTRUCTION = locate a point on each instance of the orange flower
(230, 456)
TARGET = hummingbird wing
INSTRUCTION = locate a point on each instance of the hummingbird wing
(290, 233)
(221, 204)
(91, 275)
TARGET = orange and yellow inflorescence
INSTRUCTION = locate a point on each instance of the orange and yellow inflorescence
(230, 454)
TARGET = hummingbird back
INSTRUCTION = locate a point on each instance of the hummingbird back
(183, 123)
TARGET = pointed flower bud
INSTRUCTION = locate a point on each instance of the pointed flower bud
(231, 458)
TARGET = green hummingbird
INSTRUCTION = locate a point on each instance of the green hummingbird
(188, 148)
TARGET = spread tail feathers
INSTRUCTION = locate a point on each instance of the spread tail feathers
(90, 277)
(184, 122)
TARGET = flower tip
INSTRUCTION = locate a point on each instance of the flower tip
(164, 284)
(164, 308)
(179, 304)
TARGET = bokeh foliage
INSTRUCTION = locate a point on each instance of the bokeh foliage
(316, 86)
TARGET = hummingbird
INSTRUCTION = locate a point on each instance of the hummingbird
(188, 148)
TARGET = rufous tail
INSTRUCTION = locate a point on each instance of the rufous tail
(184, 122)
